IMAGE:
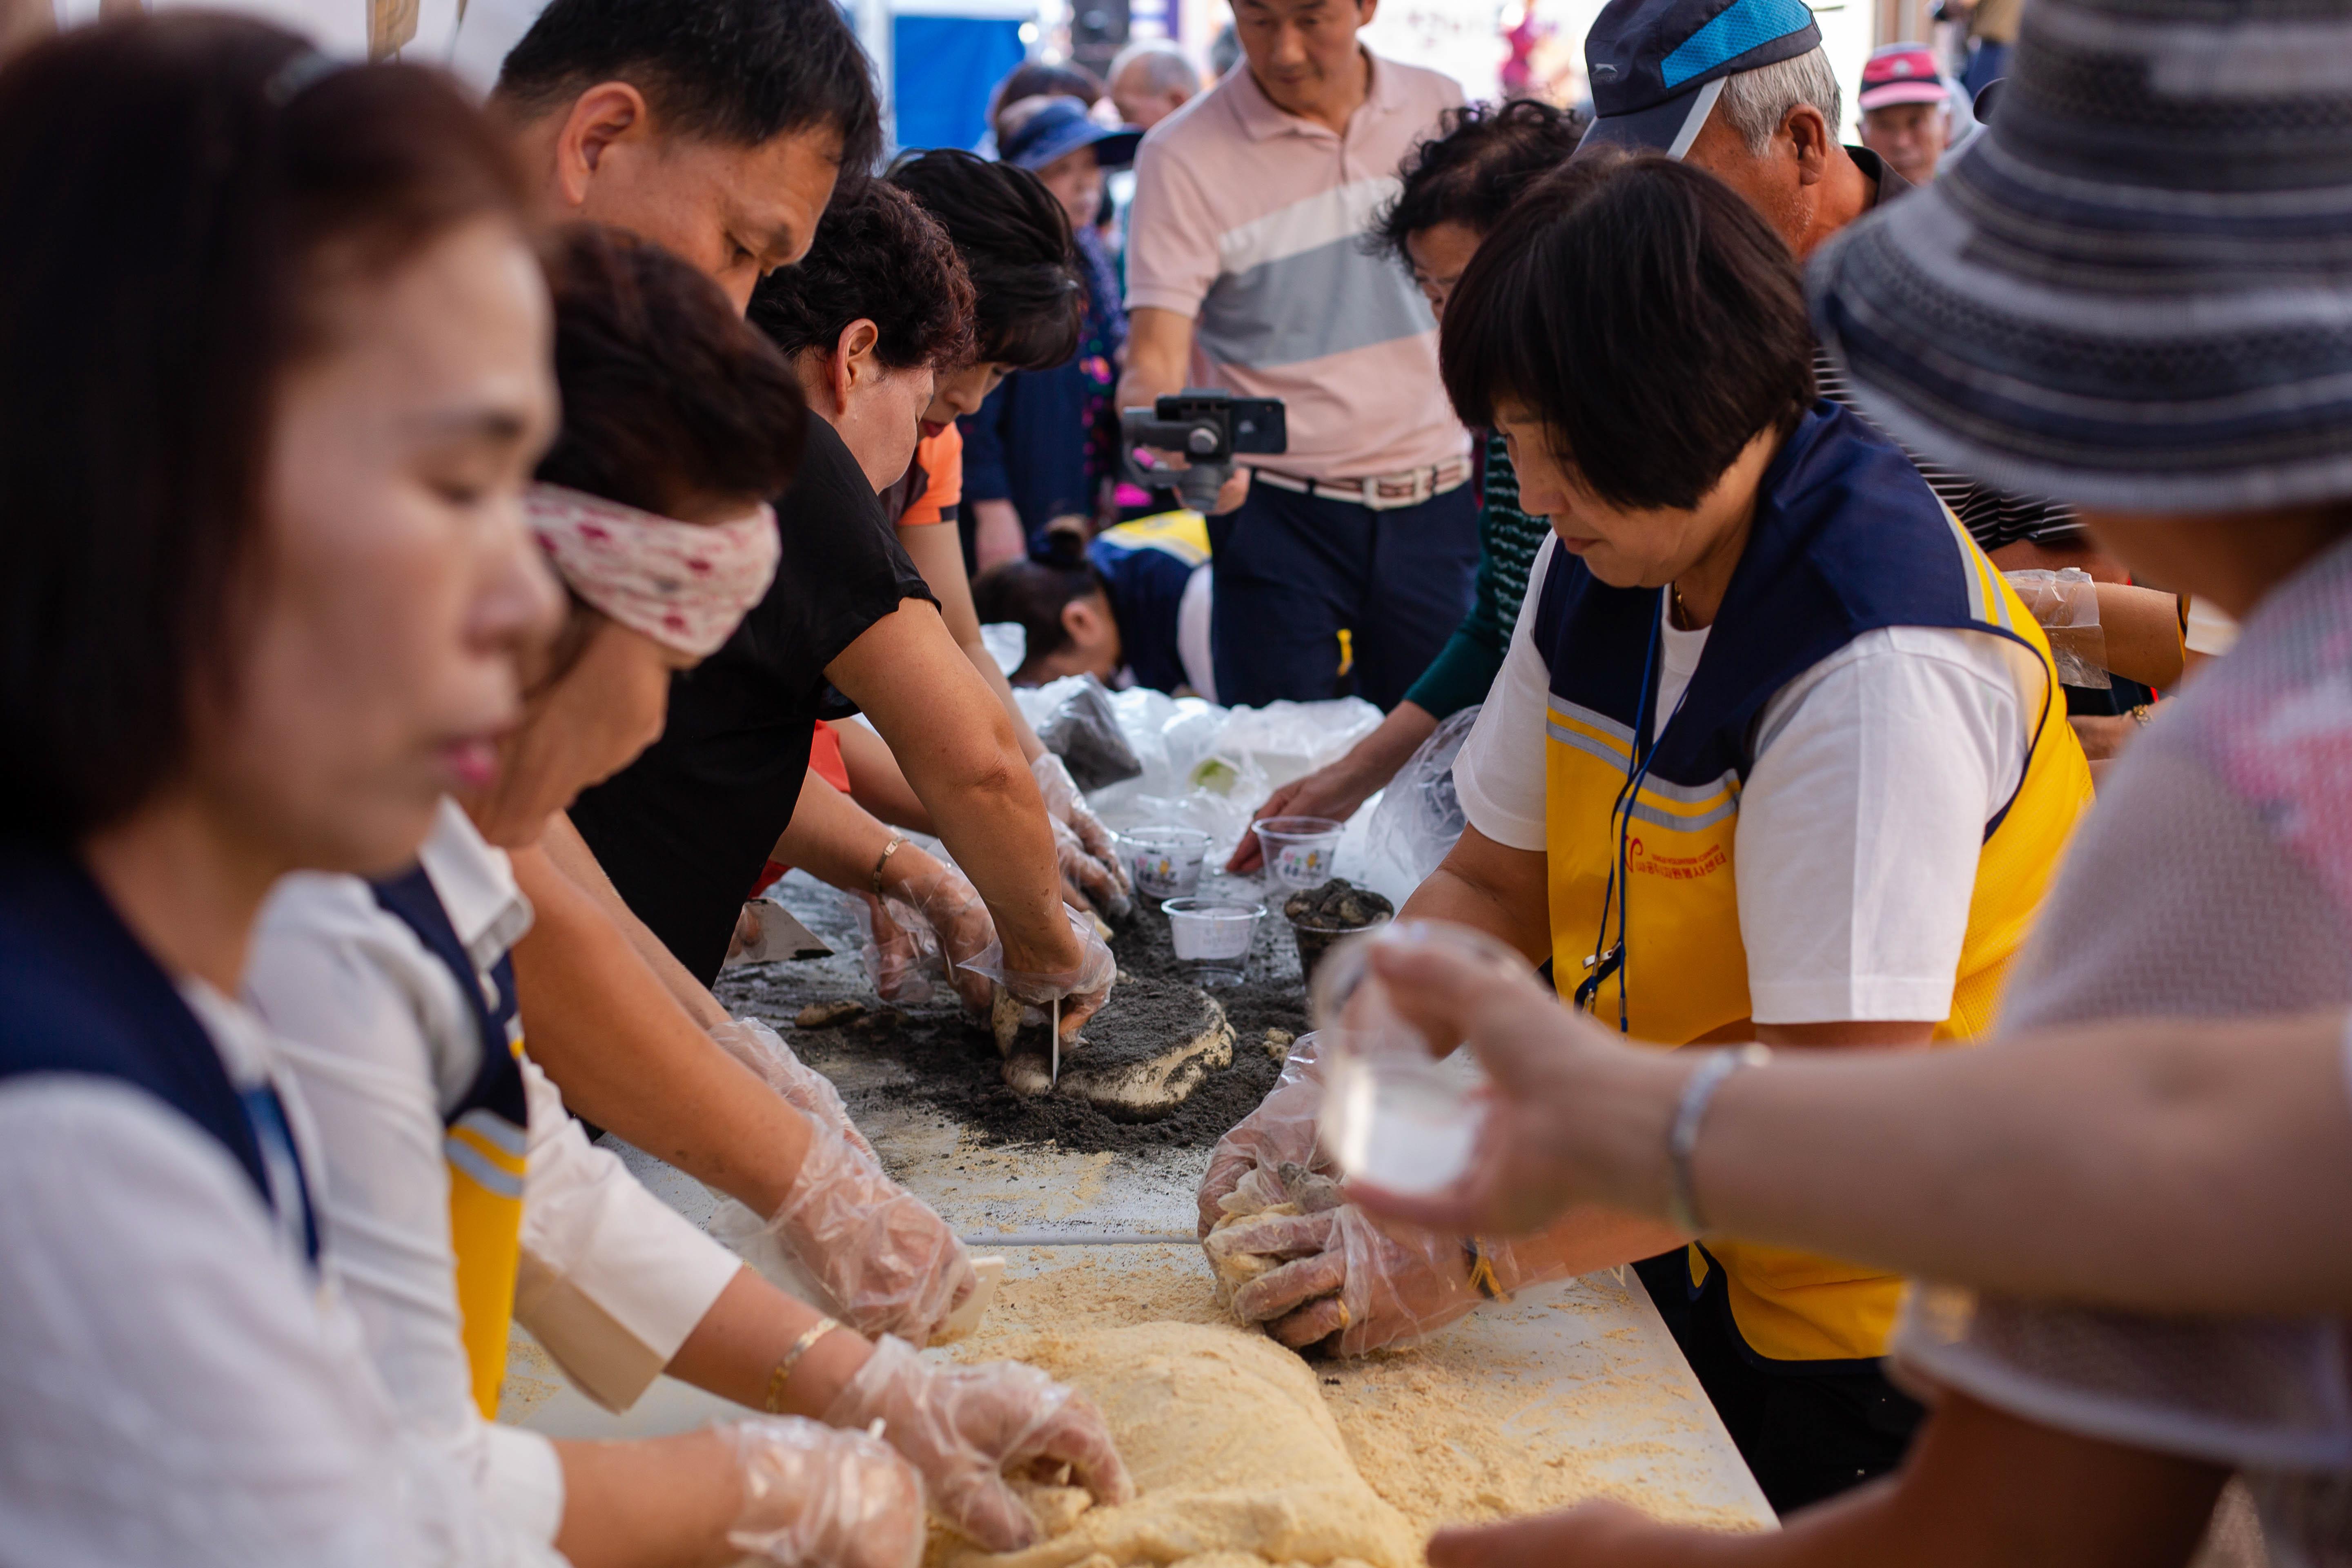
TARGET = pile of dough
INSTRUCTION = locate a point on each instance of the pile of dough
(1237, 1461)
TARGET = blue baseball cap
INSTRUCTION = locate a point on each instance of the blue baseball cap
(1038, 130)
(1656, 67)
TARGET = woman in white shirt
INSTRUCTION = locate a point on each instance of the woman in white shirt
(673, 409)
(1775, 753)
(273, 370)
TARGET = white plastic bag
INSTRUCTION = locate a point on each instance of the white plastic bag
(1419, 817)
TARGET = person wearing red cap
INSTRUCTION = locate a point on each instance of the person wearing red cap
(1905, 109)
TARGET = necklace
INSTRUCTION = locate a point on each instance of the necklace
(1680, 616)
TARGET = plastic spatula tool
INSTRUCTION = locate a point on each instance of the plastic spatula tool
(1055, 1080)
(966, 1318)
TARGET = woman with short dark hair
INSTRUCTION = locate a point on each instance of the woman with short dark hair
(1774, 751)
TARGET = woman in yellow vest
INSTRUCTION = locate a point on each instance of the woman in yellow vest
(1775, 755)
(459, 1193)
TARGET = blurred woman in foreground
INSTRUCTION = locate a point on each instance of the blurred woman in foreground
(273, 372)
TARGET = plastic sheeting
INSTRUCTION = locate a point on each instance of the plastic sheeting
(1209, 767)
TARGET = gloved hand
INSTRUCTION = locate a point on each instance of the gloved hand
(928, 910)
(1094, 873)
(761, 1049)
(965, 1427)
(817, 1496)
(1368, 1283)
(1089, 883)
(890, 1262)
(1280, 1130)
(1081, 989)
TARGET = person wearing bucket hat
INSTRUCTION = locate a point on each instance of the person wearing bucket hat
(1040, 452)
(1037, 133)
(2151, 253)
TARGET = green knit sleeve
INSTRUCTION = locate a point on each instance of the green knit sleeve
(1508, 542)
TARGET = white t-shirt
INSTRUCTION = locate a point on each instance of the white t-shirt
(1855, 855)
(175, 1385)
(382, 1044)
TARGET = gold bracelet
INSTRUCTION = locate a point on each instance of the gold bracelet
(897, 840)
(1482, 1270)
(783, 1374)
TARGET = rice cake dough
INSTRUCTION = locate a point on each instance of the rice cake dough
(1237, 1462)
(1143, 1056)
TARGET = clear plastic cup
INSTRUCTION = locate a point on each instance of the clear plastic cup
(1165, 861)
(1212, 937)
(1300, 850)
(1395, 1112)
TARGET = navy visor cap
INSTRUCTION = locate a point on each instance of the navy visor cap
(1657, 66)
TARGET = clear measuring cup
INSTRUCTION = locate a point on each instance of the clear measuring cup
(1395, 1111)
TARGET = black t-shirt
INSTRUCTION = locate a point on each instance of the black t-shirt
(684, 830)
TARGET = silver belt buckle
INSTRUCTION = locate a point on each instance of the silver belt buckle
(1417, 485)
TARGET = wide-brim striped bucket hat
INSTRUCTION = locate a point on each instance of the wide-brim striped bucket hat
(2135, 292)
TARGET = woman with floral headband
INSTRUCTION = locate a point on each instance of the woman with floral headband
(461, 1193)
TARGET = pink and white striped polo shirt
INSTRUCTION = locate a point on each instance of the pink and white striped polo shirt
(1251, 221)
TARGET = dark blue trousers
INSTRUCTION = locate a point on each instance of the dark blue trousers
(1294, 571)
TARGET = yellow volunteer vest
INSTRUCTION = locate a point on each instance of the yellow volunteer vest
(1842, 513)
(485, 1149)
(487, 1137)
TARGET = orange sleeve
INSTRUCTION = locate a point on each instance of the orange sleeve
(941, 457)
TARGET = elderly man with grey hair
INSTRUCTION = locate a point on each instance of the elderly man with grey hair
(1150, 79)
(1743, 90)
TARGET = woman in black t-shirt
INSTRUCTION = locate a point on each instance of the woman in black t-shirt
(850, 624)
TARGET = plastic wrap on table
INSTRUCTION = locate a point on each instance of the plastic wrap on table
(1420, 817)
(1084, 731)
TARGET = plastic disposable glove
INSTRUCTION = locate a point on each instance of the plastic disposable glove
(817, 1497)
(1368, 1283)
(887, 1260)
(930, 910)
(1280, 1132)
(1094, 874)
(901, 955)
(761, 1049)
(1088, 882)
(1081, 989)
(966, 1427)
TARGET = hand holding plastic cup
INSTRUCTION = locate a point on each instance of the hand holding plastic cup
(1300, 850)
(1395, 1113)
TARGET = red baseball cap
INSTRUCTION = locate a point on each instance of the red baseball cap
(1901, 73)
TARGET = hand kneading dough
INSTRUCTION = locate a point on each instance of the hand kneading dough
(1237, 1461)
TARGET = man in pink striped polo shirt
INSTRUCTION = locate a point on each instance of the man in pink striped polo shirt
(1246, 269)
